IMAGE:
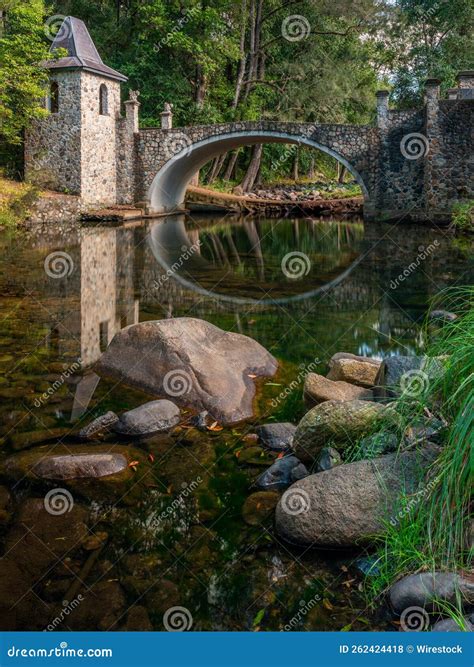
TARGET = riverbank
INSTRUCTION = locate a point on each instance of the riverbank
(205, 199)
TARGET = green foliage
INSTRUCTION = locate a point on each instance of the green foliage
(431, 528)
(22, 80)
(463, 216)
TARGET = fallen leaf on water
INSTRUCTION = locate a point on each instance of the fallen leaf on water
(281, 455)
(344, 568)
(237, 453)
(348, 582)
(132, 464)
(151, 458)
(251, 375)
(327, 604)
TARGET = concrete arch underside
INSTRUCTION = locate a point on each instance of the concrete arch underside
(168, 188)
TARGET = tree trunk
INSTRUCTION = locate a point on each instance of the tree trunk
(231, 166)
(216, 168)
(311, 168)
(296, 164)
(341, 172)
(252, 170)
(243, 57)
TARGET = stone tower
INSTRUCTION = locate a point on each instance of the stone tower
(75, 148)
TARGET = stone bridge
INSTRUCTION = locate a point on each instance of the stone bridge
(412, 165)
(168, 159)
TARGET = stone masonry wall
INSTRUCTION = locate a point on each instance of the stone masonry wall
(98, 142)
(53, 145)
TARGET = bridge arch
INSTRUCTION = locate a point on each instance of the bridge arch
(168, 188)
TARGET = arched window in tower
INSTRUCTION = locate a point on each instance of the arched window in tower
(53, 100)
(103, 100)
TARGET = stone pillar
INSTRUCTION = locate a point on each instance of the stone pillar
(432, 147)
(126, 153)
(466, 85)
(132, 107)
(382, 109)
(167, 117)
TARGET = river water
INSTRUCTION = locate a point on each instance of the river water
(305, 289)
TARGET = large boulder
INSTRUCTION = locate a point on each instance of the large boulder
(192, 362)
(151, 417)
(339, 423)
(409, 376)
(98, 427)
(429, 590)
(318, 389)
(361, 373)
(356, 357)
(450, 625)
(351, 503)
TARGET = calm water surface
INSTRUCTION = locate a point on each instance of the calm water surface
(304, 289)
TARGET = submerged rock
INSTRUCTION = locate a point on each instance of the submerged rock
(350, 504)
(191, 361)
(76, 466)
(98, 427)
(259, 506)
(342, 423)
(426, 589)
(152, 417)
(328, 458)
(29, 439)
(318, 389)
(282, 473)
(353, 371)
(278, 437)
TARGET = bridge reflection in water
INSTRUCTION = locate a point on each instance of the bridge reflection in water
(230, 271)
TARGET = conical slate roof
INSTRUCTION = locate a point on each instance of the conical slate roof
(74, 37)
